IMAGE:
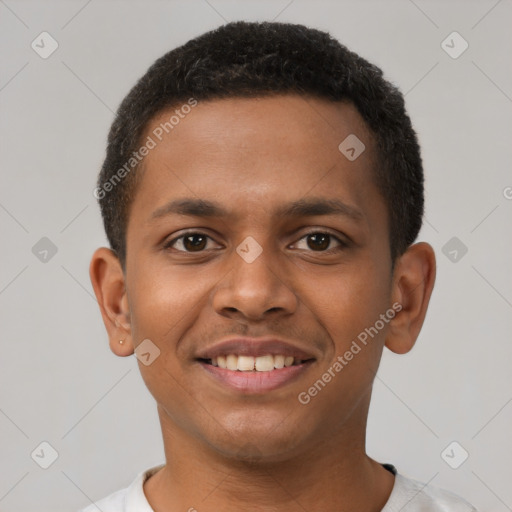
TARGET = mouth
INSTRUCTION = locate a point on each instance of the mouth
(255, 375)
(254, 365)
(265, 363)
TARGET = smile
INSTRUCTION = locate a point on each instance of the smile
(266, 363)
(254, 375)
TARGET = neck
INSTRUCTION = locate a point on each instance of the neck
(334, 473)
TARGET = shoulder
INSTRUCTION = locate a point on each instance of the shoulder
(413, 496)
(130, 499)
(116, 502)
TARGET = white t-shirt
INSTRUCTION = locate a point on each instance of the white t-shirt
(407, 495)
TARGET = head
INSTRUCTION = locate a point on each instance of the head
(271, 186)
(249, 60)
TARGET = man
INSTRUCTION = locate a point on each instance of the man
(261, 193)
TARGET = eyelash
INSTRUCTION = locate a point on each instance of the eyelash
(342, 244)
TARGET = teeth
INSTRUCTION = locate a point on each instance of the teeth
(279, 361)
(245, 363)
(265, 363)
(232, 362)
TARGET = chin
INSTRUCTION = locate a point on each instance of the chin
(260, 442)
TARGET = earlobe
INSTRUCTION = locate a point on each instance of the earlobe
(413, 282)
(108, 281)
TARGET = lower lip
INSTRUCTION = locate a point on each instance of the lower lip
(256, 382)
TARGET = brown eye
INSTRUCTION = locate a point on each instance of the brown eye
(194, 242)
(318, 241)
(189, 242)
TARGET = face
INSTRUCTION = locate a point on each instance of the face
(293, 247)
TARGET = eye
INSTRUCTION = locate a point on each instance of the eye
(320, 241)
(195, 241)
(192, 241)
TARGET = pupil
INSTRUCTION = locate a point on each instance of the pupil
(198, 244)
(321, 241)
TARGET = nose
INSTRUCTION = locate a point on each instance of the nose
(254, 290)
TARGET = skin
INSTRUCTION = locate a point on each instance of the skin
(225, 450)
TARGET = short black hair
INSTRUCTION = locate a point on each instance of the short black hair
(256, 59)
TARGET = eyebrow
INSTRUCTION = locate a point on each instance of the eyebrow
(300, 208)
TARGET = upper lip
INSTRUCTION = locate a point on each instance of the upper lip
(254, 347)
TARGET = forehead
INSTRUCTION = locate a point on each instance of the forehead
(259, 123)
(256, 154)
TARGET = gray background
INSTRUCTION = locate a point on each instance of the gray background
(60, 383)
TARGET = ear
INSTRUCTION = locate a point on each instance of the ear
(413, 281)
(108, 281)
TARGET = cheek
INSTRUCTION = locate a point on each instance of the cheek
(161, 300)
(165, 303)
(351, 300)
